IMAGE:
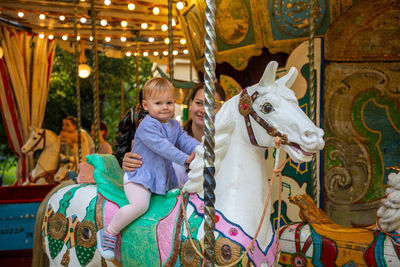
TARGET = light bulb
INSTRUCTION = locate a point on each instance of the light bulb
(107, 2)
(164, 27)
(173, 23)
(155, 53)
(42, 16)
(78, 37)
(151, 39)
(156, 10)
(91, 38)
(51, 37)
(182, 41)
(145, 54)
(186, 51)
(165, 53)
(64, 37)
(20, 14)
(124, 23)
(41, 36)
(175, 52)
(128, 54)
(180, 5)
(131, 6)
(166, 40)
(84, 70)
(144, 25)
(62, 18)
(83, 19)
(107, 39)
(103, 22)
(123, 39)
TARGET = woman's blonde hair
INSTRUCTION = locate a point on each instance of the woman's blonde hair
(157, 86)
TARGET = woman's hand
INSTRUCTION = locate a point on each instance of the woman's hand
(190, 158)
(131, 162)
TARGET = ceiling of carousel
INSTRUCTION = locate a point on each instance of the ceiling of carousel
(122, 25)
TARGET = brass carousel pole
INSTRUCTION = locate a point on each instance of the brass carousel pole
(77, 83)
(209, 132)
(96, 108)
(311, 91)
(171, 43)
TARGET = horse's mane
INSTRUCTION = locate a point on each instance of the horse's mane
(224, 125)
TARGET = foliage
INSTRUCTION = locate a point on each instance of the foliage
(62, 99)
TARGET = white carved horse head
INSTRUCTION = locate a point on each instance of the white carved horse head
(47, 162)
(244, 127)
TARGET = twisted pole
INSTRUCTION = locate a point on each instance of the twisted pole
(171, 43)
(95, 85)
(209, 131)
(311, 90)
(77, 84)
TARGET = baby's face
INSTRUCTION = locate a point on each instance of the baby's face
(161, 107)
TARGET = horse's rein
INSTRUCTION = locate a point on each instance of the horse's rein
(246, 110)
(42, 136)
(277, 171)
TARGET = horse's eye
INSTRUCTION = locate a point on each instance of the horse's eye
(267, 108)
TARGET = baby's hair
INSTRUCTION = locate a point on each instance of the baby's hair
(156, 86)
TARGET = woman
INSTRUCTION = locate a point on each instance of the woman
(194, 127)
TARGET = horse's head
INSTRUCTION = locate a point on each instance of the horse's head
(36, 140)
(66, 164)
(270, 106)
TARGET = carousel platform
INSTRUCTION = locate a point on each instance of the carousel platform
(18, 207)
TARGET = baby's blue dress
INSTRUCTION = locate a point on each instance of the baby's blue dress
(159, 144)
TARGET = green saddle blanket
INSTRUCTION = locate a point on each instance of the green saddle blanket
(139, 239)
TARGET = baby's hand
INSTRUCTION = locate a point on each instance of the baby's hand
(190, 158)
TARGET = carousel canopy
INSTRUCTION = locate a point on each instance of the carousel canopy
(122, 25)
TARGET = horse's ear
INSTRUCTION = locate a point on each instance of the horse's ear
(289, 78)
(268, 77)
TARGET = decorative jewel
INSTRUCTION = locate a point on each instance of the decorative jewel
(299, 260)
(245, 104)
(216, 218)
(86, 234)
(226, 251)
(233, 232)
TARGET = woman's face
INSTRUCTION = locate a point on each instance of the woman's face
(197, 107)
(68, 126)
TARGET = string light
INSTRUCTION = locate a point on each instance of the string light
(155, 53)
(166, 40)
(124, 23)
(78, 37)
(123, 39)
(156, 10)
(42, 16)
(51, 37)
(151, 39)
(180, 5)
(131, 6)
(145, 54)
(144, 25)
(20, 14)
(107, 2)
(128, 54)
(186, 51)
(64, 37)
(62, 18)
(107, 39)
(91, 38)
(164, 27)
(41, 36)
(83, 20)
(182, 41)
(103, 22)
(175, 52)
(165, 53)
(84, 70)
(135, 54)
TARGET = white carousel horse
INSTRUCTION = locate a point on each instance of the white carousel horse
(321, 242)
(47, 163)
(245, 125)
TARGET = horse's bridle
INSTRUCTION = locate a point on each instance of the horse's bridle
(42, 136)
(246, 109)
